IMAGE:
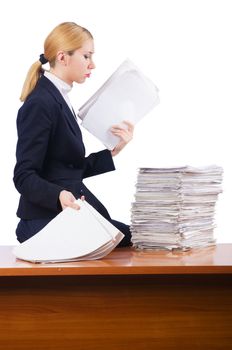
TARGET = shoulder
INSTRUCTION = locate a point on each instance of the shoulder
(45, 92)
(41, 103)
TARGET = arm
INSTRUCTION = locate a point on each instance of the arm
(98, 163)
(101, 162)
(34, 126)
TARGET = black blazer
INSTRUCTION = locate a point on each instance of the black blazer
(51, 155)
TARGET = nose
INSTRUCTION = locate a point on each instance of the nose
(92, 65)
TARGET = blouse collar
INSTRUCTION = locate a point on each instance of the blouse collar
(61, 85)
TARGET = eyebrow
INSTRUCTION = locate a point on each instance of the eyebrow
(91, 52)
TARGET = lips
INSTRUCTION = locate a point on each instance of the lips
(87, 75)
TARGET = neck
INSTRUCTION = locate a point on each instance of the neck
(59, 74)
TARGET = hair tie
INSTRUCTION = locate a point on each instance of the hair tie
(43, 59)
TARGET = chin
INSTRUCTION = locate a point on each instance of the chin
(81, 81)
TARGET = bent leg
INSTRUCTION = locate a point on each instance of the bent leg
(28, 228)
(125, 229)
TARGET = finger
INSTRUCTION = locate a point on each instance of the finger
(121, 126)
(129, 124)
(122, 136)
(74, 206)
(122, 132)
(117, 128)
(83, 198)
(118, 133)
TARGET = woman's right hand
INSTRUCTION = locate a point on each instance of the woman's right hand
(67, 199)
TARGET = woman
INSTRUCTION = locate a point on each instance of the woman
(51, 162)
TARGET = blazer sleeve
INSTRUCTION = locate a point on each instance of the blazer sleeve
(98, 163)
(34, 127)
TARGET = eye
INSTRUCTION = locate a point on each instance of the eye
(86, 57)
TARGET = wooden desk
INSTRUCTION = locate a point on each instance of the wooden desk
(129, 300)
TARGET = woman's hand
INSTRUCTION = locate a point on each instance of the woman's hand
(67, 199)
(125, 135)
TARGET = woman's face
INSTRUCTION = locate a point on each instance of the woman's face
(80, 64)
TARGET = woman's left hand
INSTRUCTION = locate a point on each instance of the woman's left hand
(125, 135)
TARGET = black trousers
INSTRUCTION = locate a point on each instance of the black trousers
(28, 228)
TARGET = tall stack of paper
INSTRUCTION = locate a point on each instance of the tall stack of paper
(73, 235)
(175, 207)
(126, 95)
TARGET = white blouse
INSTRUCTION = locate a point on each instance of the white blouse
(62, 86)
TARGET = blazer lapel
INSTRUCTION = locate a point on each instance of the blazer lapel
(70, 118)
(65, 108)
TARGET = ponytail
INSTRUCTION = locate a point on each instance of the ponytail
(30, 82)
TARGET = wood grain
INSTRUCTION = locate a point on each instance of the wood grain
(127, 261)
(42, 309)
(168, 312)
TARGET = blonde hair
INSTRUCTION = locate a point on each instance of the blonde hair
(68, 37)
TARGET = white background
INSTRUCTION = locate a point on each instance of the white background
(184, 46)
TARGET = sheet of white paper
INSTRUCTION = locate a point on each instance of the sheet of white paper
(126, 95)
(70, 235)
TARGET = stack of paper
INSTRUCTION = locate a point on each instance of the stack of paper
(73, 235)
(175, 207)
(126, 95)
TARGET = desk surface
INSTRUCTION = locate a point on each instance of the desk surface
(128, 261)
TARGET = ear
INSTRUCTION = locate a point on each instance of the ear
(62, 58)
